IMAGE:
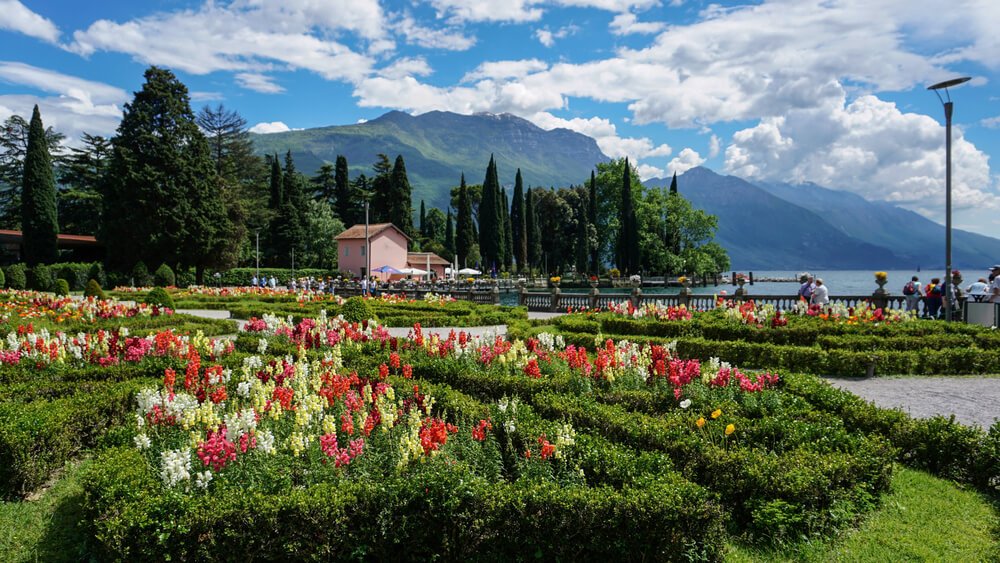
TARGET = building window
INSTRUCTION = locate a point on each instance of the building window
(362, 250)
(347, 251)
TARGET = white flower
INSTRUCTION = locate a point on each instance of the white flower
(142, 441)
(265, 441)
(685, 403)
(243, 389)
(175, 466)
(203, 479)
(262, 346)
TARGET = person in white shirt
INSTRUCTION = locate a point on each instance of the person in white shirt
(820, 294)
(995, 284)
(979, 290)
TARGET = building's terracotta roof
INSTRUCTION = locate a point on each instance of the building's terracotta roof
(75, 239)
(358, 231)
(418, 259)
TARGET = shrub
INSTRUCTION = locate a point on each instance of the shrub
(40, 278)
(93, 289)
(3, 281)
(164, 276)
(96, 272)
(140, 275)
(357, 310)
(160, 298)
(17, 276)
(62, 287)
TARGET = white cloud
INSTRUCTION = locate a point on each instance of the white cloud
(646, 172)
(498, 70)
(459, 11)
(408, 66)
(548, 38)
(15, 16)
(78, 105)
(206, 96)
(991, 122)
(868, 147)
(685, 160)
(246, 36)
(606, 135)
(448, 39)
(628, 24)
(258, 83)
(714, 145)
(272, 127)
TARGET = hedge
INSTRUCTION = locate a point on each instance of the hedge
(17, 276)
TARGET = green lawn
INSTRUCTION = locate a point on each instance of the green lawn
(923, 519)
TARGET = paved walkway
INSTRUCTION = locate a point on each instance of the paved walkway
(973, 400)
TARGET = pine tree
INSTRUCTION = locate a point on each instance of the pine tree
(401, 202)
(423, 220)
(673, 184)
(449, 235)
(464, 237)
(628, 238)
(346, 201)
(381, 187)
(80, 198)
(508, 235)
(582, 246)
(489, 219)
(162, 171)
(517, 224)
(673, 241)
(39, 222)
(277, 195)
(324, 184)
(595, 266)
(533, 234)
(294, 195)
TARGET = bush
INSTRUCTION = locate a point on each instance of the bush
(3, 281)
(93, 289)
(62, 287)
(159, 297)
(96, 272)
(40, 278)
(357, 310)
(140, 275)
(164, 276)
(17, 276)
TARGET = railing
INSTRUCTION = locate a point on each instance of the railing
(486, 295)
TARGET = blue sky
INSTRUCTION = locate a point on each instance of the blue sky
(825, 91)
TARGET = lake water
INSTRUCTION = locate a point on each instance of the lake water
(839, 282)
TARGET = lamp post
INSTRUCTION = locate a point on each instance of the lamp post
(948, 106)
(368, 254)
(258, 254)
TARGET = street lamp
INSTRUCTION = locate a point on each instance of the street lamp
(948, 106)
(368, 254)
(258, 254)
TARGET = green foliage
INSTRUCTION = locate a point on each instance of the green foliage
(164, 276)
(346, 200)
(357, 310)
(17, 276)
(38, 198)
(159, 297)
(490, 227)
(40, 278)
(628, 255)
(80, 175)
(519, 233)
(61, 287)
(464, 237)
(3, 279)
(93, 289)
(141, 276)
(321, 228)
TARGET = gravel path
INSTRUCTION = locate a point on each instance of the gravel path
(974, 401)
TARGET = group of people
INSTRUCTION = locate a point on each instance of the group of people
(263, 281)
(814, 290)
(310, 284)
(983, 290)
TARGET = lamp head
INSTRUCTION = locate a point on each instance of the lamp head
(949, 83)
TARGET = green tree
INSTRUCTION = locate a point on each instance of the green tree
(628, 236)
(673, 184)
(324, 183)
(449, 238)
(39, 221)
(464, 237)
(401, 198)
(321, 226)
(162, 171)
(508, 243)
(346, 204)
(595, 250)
(519, 234)
(423, 220)
(80, 177)
(582, 246)
(381, 186)
(490, 229)
(13, 148)
(532, 230)
(435, 226)
(277, 196)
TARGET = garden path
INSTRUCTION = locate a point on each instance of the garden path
(973, 400)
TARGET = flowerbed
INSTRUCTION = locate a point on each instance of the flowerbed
(19, 306)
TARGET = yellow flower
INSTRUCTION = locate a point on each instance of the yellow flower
(730, 429)
(716, 413)
(700, 422)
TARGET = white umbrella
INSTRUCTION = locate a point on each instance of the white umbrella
(469, 272)
(413, 272)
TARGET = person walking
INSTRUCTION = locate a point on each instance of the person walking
(820, 293)
(253, 281)
(932, 298)
(911, 292)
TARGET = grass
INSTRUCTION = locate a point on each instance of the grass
(47, 528)
(924, 518)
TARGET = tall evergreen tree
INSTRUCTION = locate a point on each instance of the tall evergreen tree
(162, 171)
(519, 235)
(423, 220)
(581, 249)
(489, 219)
(401, 202)
(381, 187)
(294, 194)
(13, 147)
(81, 176)
(277, 194)
(39, 221)
(324, 184)
(628, 238)
(464, 236)
(449, 235)
(673, 184)
(533, 233)
(673, 239)
(508, 235)
(346, 205)
(595, 266)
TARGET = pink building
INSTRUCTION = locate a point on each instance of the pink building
(427, 261)
(388, 248)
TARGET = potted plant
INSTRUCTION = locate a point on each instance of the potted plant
(554, 281)
(881, 278)
(593, 280)
(636, 280)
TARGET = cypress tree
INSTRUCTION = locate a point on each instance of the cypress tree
(39, 222)
(508, 242)
(344, 205)
(449, 235)
(673, 184)
(673, 236)
(518, 227)
(423, 220)
(401, 204)
(381, 188)
(628, 238)
(489, 219)
(294, 194)
(324, 186)
(595, 266)
(464, 236)
(277, 194)
(533, 234)
(582, 247)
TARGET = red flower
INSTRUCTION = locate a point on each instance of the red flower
(532, 370)
(479, 431)
(394, 360)
(383, 371)
(407, 371)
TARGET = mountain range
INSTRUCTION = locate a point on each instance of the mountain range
(762, 225)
